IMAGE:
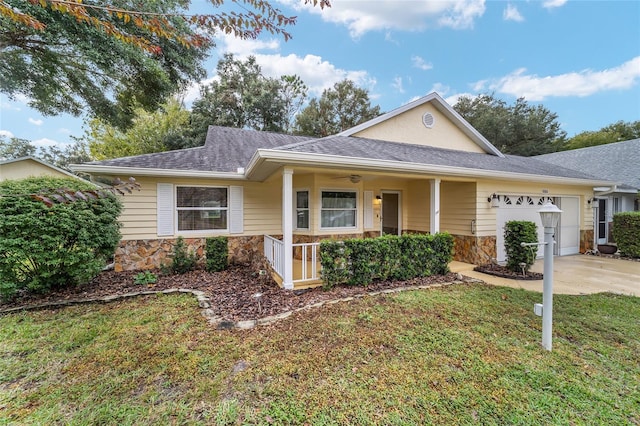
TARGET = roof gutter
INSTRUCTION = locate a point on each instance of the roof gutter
(263, 156)
(138, 171)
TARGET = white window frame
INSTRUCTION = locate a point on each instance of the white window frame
(202, 209)
(296, 208)
(357, 209)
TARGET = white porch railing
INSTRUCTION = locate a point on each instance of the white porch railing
(274, 252)
(307, 264)
(306, 261)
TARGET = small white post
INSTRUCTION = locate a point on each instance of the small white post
(547, 289)
(549, 216)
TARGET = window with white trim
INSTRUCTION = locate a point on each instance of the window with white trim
(338, 209)
(302, 209)
(202, 208)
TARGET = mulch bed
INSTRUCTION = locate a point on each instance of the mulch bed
(502, 271)
(231, 292)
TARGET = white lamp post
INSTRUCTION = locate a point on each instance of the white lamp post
(549, 215)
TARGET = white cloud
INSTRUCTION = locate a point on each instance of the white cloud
(420, 63)
(511, 13)
(364, 16)
(316, 73)
(397, 84)
(5, 133)
(45, 142)
(35, 122)
(64, 131)
(549, 4)
(583, 83)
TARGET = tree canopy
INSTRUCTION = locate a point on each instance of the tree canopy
(243, 97)
(105, 60)
(519, 129)
(339, 108)
(616, 132)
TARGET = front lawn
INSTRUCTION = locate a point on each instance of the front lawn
(454, 355)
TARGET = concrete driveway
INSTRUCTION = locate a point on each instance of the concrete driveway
(579, 274)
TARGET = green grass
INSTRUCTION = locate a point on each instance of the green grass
(455, 355)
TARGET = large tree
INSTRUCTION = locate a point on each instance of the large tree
(243, 97)
(519, 129)
(157, 131)
(616, 132)
(106, 59)
(339, 108)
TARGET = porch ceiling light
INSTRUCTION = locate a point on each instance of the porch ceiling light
(549, 215)
(494, 200)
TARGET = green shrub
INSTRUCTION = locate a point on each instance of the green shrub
(42, 247)
(361, 261)
(626, 233)
(145, 278)
(216, 251)
(515, 233)
(183, 260)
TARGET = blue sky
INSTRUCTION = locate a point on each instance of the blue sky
(580, 59)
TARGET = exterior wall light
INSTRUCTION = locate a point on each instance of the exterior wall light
(494, 199)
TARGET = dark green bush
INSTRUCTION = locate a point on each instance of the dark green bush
(515, 233)
(216, 250)
(626, 233)
(361, 261)
(42, 247)
(183, 260)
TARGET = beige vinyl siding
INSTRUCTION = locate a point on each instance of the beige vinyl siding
(457, 207)
(418, 206)
(27, 168)
(408, 128)
(262, 207)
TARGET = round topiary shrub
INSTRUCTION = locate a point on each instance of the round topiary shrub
(515, 233)
(44, 247)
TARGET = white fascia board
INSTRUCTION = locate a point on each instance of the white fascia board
(374, 165)
(442, 106)
(44, 163)
(137, 171)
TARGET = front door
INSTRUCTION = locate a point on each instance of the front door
(602, 221)
(391, 213)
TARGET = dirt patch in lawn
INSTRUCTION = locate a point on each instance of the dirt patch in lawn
(231, 292)
(502, 271)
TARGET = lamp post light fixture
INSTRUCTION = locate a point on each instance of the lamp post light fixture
(550, 216)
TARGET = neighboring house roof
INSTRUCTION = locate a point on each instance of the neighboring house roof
(618, 162)
(225, 150)
(442, 106)
(43, 163)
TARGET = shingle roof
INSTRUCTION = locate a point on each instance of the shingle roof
(394, 151)
(619, 162)
(225, 150)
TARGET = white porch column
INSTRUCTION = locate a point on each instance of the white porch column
(434, 220)
(287, 227)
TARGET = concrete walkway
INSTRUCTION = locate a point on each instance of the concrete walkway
(579, 274)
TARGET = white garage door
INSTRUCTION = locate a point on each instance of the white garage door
(526, 208)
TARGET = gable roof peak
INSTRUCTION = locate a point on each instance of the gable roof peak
(443, 107)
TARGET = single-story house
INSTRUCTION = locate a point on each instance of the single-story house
(618, 162)
(24, 167)
(419, 168)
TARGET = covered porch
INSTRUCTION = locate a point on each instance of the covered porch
(328, 204)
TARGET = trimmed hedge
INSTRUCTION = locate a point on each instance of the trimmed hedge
(360, 261)
(53, 247)
(516, 232)
(216, 250)
(626, 233)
